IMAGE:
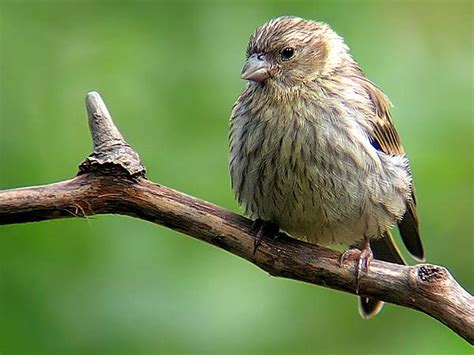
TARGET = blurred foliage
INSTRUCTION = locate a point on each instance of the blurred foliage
(169, 72)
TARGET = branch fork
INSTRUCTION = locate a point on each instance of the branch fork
(112, 180)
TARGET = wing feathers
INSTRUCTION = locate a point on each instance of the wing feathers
(385, 136)
(410, 233)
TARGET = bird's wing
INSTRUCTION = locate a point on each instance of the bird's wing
(385, 138)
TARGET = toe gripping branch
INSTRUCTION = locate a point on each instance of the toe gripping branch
(263, 229)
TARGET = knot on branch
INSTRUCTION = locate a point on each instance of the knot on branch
(432, 273)
(429, 277)
(112, 154)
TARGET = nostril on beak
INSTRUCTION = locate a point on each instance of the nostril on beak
(257, 68)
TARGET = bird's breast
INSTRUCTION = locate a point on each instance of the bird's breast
(292, 152)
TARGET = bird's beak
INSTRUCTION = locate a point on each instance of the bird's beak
(256, 69)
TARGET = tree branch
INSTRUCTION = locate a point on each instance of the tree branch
(112, 180)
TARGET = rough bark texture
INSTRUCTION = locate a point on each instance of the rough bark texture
(112, 180)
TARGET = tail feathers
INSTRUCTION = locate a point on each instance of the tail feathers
(383, 249)
(369, 307)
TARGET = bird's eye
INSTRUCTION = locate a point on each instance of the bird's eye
(287, 53)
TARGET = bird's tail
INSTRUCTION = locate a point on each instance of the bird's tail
(383, 249)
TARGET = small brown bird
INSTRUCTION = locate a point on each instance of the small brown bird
(313, 149)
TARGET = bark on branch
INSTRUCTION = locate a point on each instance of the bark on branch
(112, 180)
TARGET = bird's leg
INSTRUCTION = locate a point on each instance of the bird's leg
(364, 257)
(363, 263)
(263, 229)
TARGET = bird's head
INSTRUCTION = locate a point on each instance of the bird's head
(289, 51)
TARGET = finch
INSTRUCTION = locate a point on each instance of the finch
(313, 148)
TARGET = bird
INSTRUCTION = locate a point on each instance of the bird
(313, 150)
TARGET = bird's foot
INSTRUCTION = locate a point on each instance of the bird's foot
(363, 257)
(263, 229)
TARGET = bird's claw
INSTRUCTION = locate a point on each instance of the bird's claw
(263, 229)
(363, 257)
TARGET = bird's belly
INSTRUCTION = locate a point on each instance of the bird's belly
(311, 201)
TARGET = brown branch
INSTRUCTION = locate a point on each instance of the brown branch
(112, 180)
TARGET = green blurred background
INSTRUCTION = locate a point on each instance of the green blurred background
(169, 73)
